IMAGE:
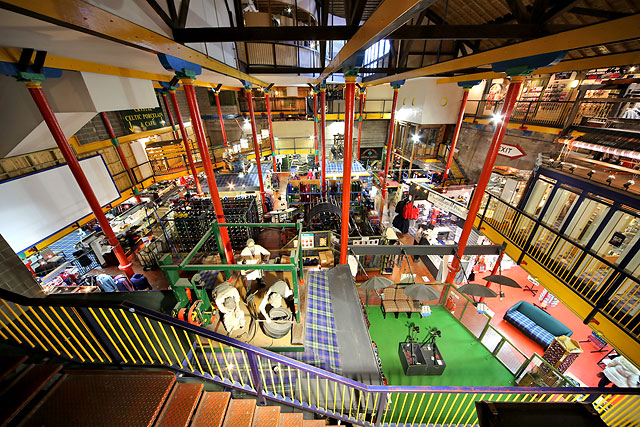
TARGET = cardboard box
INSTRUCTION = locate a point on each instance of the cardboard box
(326, 258)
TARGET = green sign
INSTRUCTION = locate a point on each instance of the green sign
(143, 119)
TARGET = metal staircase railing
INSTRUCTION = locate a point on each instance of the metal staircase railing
(127, 334)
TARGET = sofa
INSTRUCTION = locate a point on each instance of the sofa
(536, 323)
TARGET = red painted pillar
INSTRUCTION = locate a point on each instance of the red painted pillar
(224, 134)
(392, 125)
(349, 96)
(35, 89)
(116, 144)
(456, 134)
(166, 107)
(256, 147)
(315, 125)
(190, 93)
(185, 140)
(323, 166)
(498, 135)
(273, 146)
(363, 96)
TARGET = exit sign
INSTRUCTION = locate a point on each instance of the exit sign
(511, 151)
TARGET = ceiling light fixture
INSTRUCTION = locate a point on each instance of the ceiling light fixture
(610, 178)
(628, 184)
(590, 174)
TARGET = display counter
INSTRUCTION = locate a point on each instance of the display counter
(420, 359)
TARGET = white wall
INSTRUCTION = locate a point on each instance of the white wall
(111, 93)
(285, 129)
(424, 101)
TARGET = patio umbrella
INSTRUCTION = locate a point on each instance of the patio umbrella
(476, 290)
(421, 292)
(375, 283)
(503, 280)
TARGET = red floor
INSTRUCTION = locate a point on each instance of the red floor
(585, 367)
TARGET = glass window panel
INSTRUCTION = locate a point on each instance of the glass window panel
(617, 234)
(559, 207)
(586, 220)
(538, 197)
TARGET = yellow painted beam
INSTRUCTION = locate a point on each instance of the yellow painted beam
(604, 61)
(82, 16)
(13, 55)
(592, 35)
(534, 128)
(379, 24)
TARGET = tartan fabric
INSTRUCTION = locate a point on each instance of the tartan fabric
(403, 306)
(321, 343)
(389, 306)
(529, 328)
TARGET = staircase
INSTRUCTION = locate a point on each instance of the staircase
(45, 394)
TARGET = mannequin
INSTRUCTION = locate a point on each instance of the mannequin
(275, 295)
(227, 300)
(254, 254)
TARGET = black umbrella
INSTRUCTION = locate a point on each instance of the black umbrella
(421, 292)
(375, 283)
(503, 280)
(476, 290)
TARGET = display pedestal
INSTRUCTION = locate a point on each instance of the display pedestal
(424, 360)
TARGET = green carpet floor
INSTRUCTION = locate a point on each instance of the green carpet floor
(469, 363)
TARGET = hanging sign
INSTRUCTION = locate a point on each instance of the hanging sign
(446, 205)
(370, 154)
(143, 119)
(511, 151)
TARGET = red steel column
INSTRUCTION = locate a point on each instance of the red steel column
(498, 135)
(190, 93)
(35, 89)
(166, 106)
(185, 141)
(256, 147)
(315, 125)
(363, 96)
(116, 144)
(456, 134)
(224, 134)
(349, 97)
(392, 125)
(273, 146)
(323, 166)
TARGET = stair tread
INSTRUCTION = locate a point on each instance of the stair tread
(240, 413)
(291, 420)
(181, 405)
(8, 364)
(21, 391)
(104, 398)
(314, 423)
(266, 416)
(211, 410)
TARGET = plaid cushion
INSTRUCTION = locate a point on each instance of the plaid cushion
(389, 294)
(400, 295)
(541, 336)
(403, 306)
(389, 306)
(519, 320)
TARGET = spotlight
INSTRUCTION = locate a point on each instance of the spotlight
(289, 10)
(415, 137)
(501, 296)
(610, 178)
(632, 69)
(575, 83)
(560, 165)
(628, 184)
(590, 174)
(572, 168)
(496, 118)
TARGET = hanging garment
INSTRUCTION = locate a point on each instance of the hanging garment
(140, 283)
(106, 283)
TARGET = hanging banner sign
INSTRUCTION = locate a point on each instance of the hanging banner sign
(370, 154)
(446, 205)
(143, 119)
(511, 151)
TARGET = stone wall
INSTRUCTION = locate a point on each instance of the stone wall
(474, 142)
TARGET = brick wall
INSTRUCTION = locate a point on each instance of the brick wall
(14, 276)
